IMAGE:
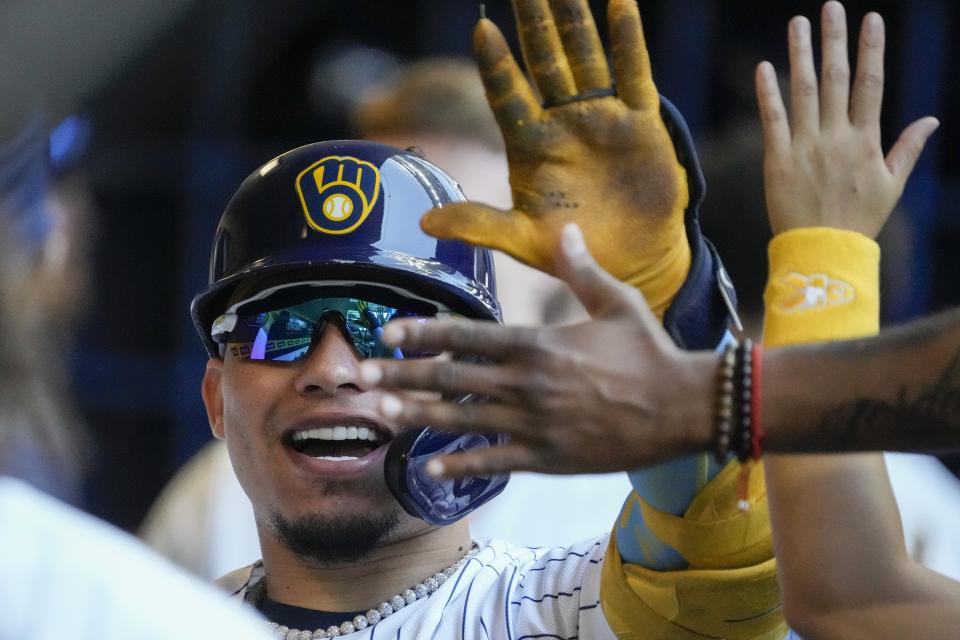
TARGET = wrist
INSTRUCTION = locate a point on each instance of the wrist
(823, 285)
(660, 280)
(698, 379)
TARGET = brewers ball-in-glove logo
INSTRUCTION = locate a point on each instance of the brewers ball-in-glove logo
(338, 192)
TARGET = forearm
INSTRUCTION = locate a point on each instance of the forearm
(897, 392)
(858, 537)
(909, 601)
(669, 488)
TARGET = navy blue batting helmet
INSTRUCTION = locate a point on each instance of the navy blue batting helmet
(348, 211)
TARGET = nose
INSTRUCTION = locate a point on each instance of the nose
(331, 366)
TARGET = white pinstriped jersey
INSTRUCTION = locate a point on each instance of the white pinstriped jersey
(507, 592)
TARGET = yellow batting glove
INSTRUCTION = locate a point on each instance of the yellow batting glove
(585, 154)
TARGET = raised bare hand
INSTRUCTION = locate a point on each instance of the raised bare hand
(825, 165)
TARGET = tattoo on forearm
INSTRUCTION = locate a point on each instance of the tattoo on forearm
(560, 200)
(929, 420)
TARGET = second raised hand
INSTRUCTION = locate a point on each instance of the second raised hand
(587, 154)
(825, 165)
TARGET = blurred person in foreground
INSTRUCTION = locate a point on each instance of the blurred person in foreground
(99, 581)
(843, 566)
(347, 519)
(65, 572)
(41, 441)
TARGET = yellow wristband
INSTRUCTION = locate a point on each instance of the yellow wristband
(823, 285)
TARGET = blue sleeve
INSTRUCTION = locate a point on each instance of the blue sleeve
(669, 487)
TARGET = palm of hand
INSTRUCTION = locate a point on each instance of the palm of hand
(819, 193)
(610, 169)
(605, 162)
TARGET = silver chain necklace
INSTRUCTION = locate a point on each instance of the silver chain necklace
(373, 616)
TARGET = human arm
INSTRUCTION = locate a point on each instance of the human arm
(829, 189)
(899, 391)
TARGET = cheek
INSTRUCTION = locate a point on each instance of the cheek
(250, 395)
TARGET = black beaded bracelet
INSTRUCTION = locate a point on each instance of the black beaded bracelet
(741, 441)
(734, 418)
(723, 423)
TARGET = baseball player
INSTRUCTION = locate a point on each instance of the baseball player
(320, 248)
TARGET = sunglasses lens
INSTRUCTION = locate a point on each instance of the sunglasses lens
(286, 334)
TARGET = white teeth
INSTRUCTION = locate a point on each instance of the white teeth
(334, 458)
(337, 433)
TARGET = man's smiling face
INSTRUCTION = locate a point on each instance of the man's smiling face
(308, 445)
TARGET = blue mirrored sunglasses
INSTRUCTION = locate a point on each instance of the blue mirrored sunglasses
(283, 327)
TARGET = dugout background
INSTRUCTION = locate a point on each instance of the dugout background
(235, 82)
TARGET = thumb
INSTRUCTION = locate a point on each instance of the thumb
(905, 153)
(479, 224)
(597, 290)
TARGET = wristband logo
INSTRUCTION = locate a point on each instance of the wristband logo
(338, 193)
(816, 291)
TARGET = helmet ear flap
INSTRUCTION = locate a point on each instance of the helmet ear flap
(438, 502)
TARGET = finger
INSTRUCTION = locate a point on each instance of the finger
(631, 63)
(773, 114)
(452, 378)
(543, 50)
(462, 417)
(510, 457)
(868, 84)
(598, 291)
(804, 107)
(508, 92)
(835, 68)
(904, 155)
(446, 376)
(582, 44)
(509, 231)
(466, 337)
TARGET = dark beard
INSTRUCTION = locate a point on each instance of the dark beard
(336, 540)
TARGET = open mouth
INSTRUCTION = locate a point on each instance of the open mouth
(336, 442)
